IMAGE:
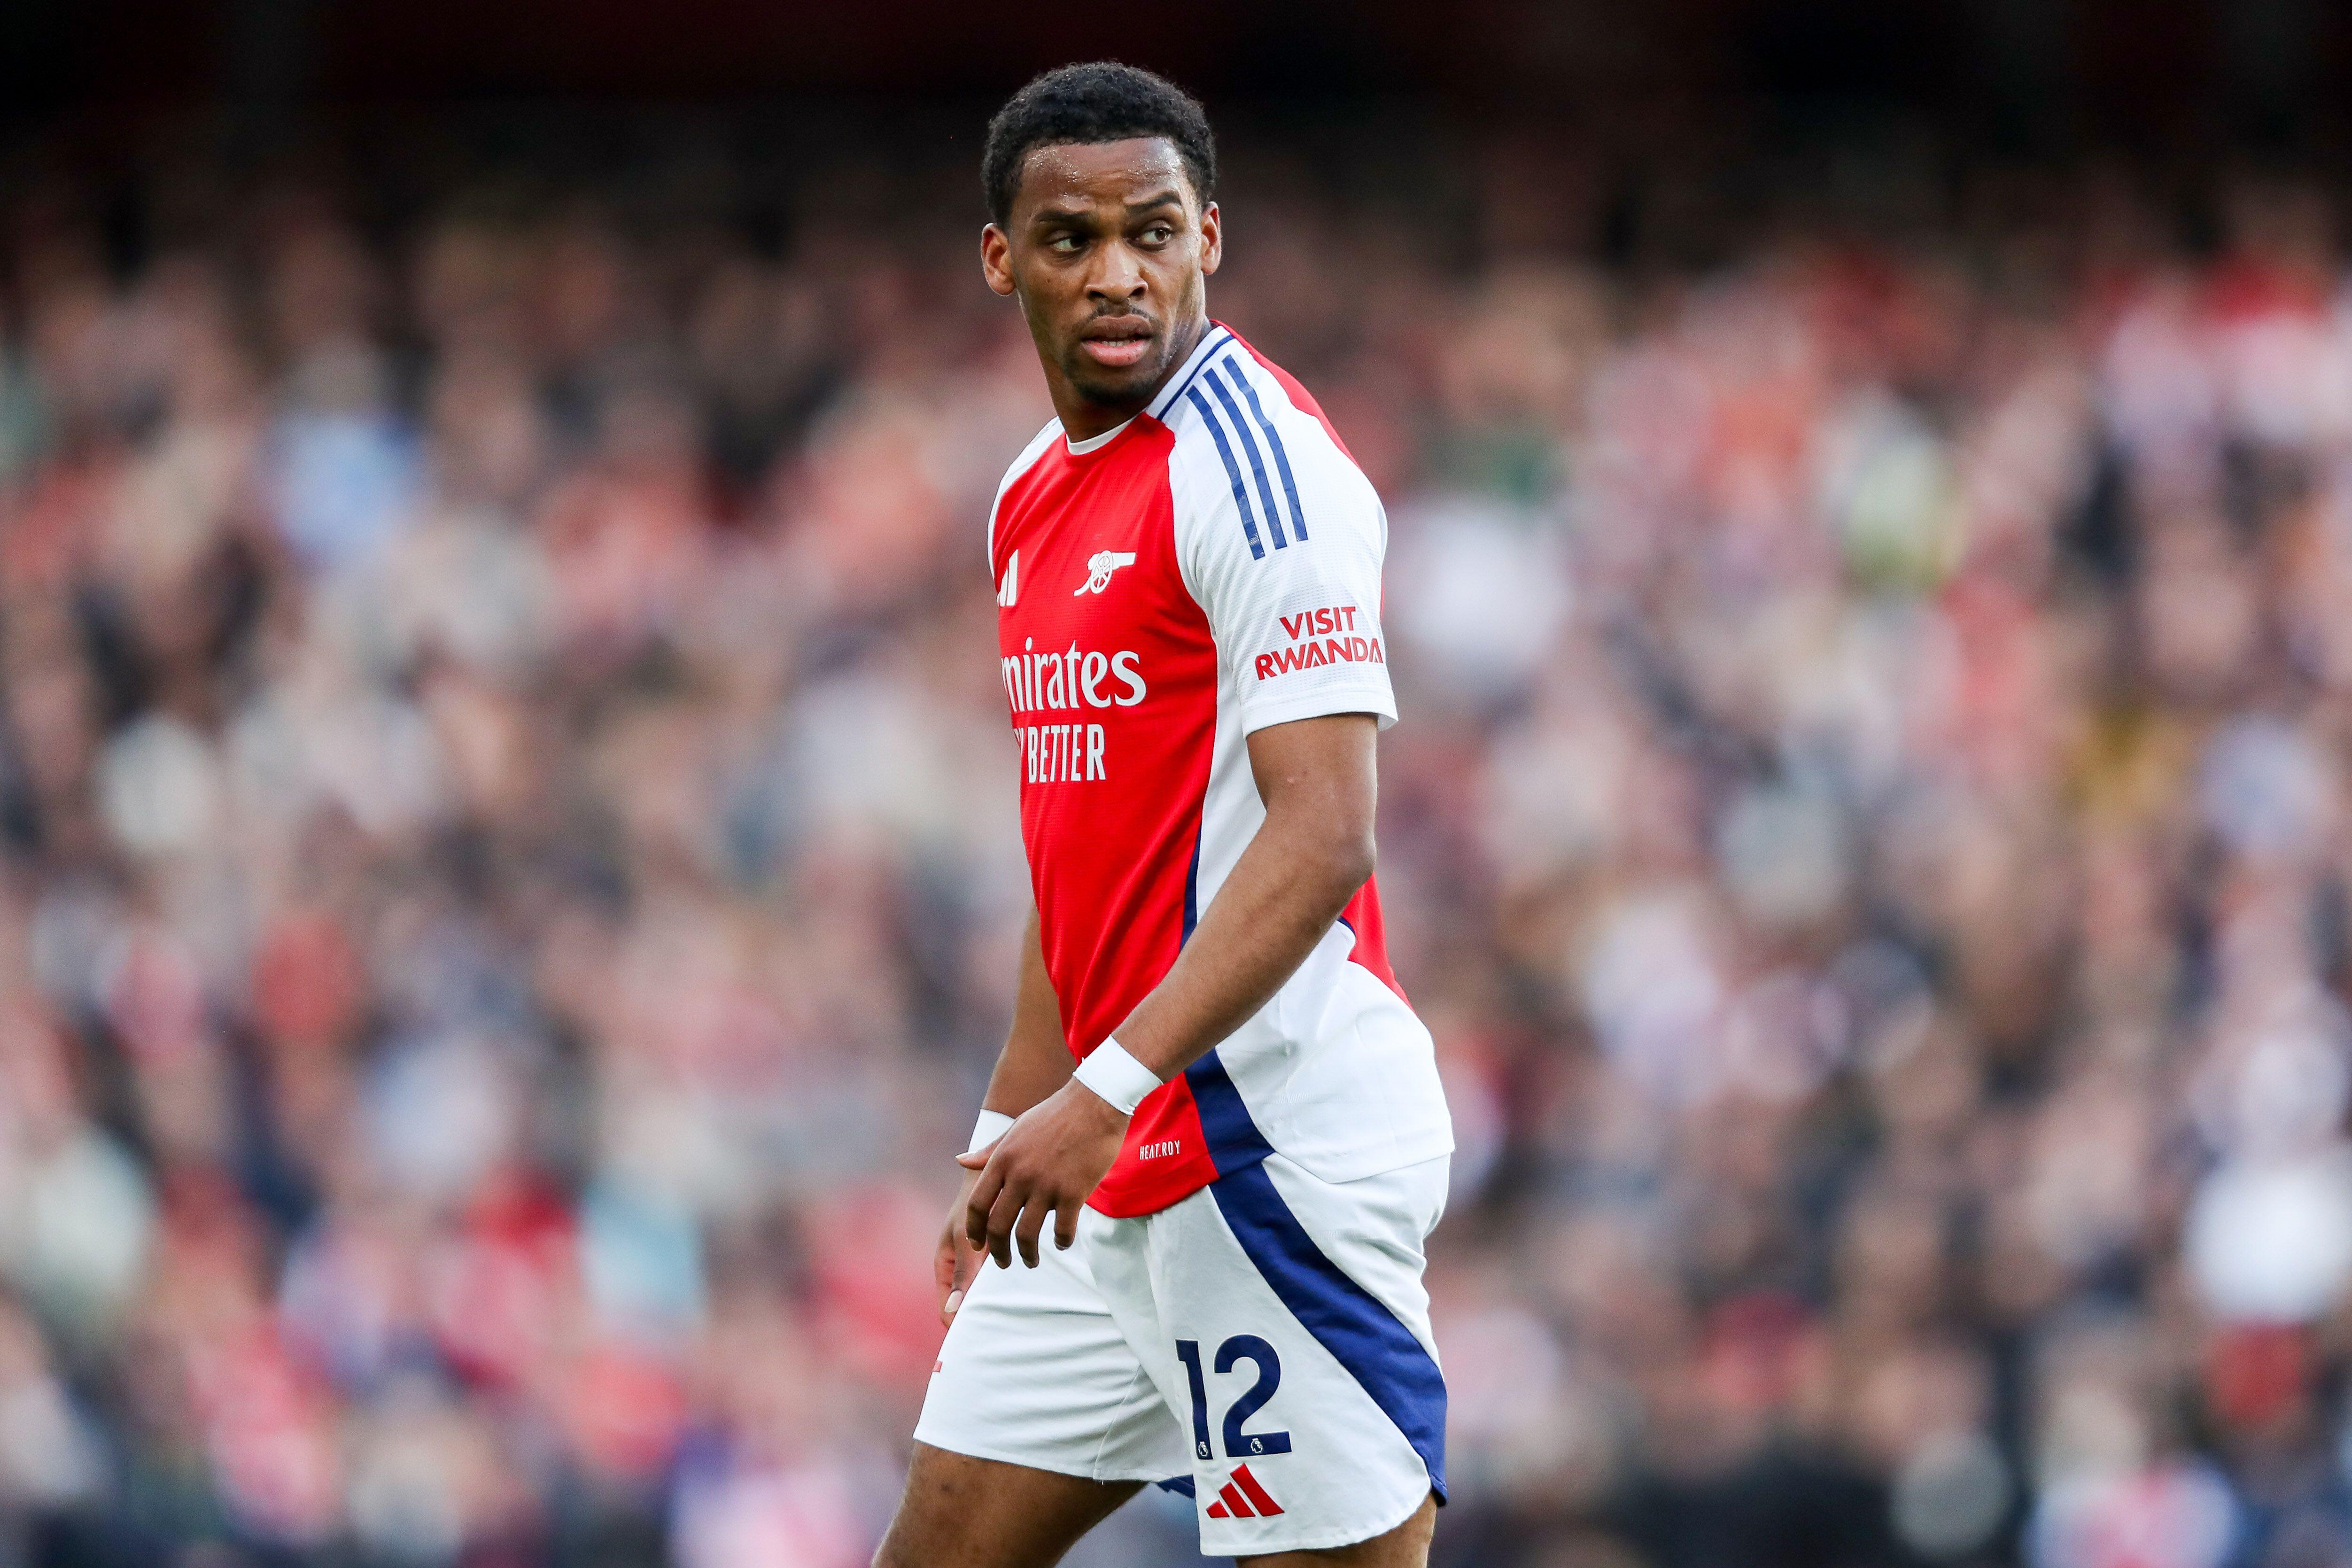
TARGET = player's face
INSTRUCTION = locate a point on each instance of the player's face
(1107, 248)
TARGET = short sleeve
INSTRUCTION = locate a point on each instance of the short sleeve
(1281, 536)
(1021, 465)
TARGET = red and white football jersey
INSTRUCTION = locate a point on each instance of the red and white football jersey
(1207, 569)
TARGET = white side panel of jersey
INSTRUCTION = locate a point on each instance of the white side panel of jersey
(1337, 1071)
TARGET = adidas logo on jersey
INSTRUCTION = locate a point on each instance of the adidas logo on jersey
(1100, 567)
(1243, 1497)
(1010, 589)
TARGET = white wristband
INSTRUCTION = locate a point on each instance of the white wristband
(992, 1125)
(1117, 1076)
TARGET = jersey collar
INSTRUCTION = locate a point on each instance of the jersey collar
(1095, 443)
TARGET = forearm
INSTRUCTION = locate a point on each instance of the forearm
(1036, 1060)
(1297, 875)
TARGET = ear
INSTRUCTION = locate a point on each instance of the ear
(996, 259)
(1212, 239)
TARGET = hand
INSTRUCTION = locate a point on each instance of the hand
(952, 1264)
(1053, 1158)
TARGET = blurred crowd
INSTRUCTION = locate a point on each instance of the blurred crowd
(510, 881)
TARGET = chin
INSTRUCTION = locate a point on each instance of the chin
(1099, 383)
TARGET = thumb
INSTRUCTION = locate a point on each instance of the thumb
(975, 1159)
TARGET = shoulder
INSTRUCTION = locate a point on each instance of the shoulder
(1028, 460)
(1254, 455)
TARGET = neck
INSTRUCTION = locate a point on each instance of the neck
(1084, 418)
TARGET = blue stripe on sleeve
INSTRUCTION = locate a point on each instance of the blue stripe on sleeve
(1362, 1335)
(1273, 439)
(1257, 464)
(1233, 471)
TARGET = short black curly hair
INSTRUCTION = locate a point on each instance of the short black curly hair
(1100, 102)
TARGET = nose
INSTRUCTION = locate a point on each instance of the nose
(1119, 280)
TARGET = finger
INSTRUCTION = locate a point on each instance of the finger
(1032, 1220)
(1065, 1224)
(1001, 1217)
(960, 1280)
(975, 1159)
(977, 1206)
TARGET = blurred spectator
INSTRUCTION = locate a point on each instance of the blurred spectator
(510, 888)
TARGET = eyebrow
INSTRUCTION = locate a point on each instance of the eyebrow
(1075, 216)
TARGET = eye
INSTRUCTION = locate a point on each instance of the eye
(1158, 234)
(1065, 243)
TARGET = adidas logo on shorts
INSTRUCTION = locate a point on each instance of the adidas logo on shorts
(1243, 1497)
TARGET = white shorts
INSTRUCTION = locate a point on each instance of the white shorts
(1263, 1345)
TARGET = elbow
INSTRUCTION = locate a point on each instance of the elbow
(1326, 850)
(1347, 859)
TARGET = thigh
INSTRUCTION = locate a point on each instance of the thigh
(963, 1512)
(1406, 1546)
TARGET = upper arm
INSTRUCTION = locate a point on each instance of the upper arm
(1320, 773)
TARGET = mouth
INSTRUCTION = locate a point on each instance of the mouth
(1118, 343)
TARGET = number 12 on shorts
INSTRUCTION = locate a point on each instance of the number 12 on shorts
(1239, 1445)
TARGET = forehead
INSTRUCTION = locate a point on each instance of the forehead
(1092, 174)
